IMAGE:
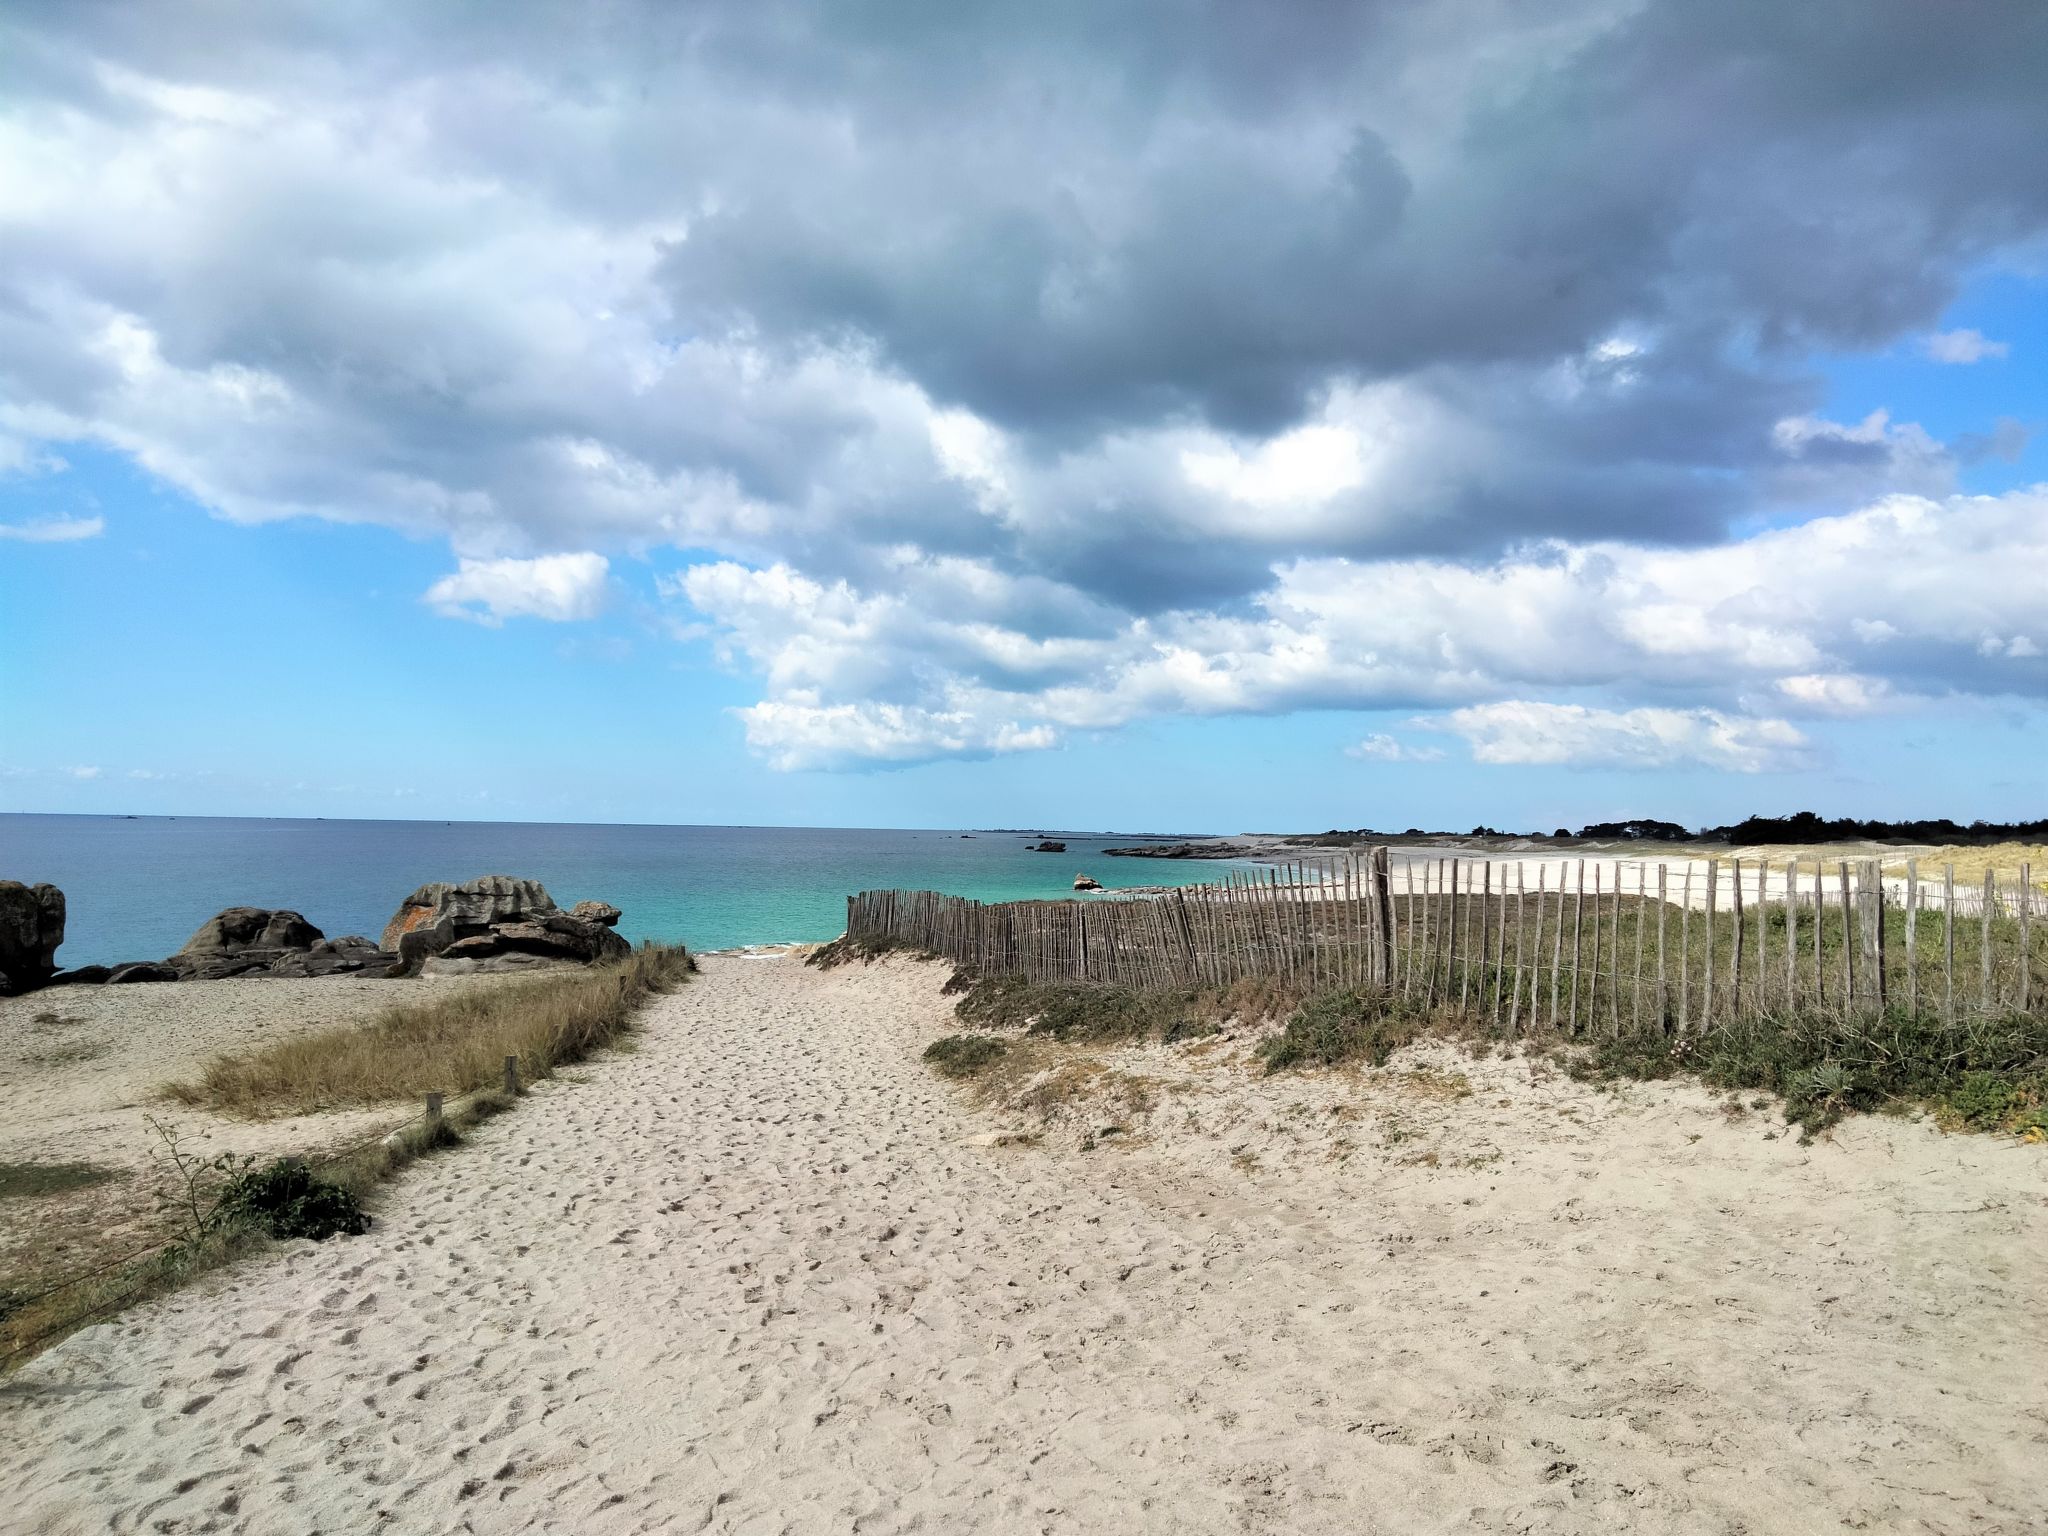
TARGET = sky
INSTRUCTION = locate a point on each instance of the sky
(1180, 416)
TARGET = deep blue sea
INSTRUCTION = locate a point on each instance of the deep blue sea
(137, 887)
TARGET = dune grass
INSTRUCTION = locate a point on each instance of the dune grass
(454, 1043)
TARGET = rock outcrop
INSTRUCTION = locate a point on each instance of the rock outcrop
(1048, 846)
(498, 923)
(264, 941)
(31, 928)
(1087, 883)
(141, 970)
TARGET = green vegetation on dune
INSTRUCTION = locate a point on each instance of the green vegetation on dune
(1980, 1073)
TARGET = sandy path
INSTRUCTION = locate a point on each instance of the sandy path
(757, 1276)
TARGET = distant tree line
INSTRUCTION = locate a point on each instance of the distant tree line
(1800, 827)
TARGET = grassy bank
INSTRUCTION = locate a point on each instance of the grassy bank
(219, 1209)
(1985, 1074)
(451, 1044)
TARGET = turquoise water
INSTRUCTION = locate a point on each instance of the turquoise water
(138, 887)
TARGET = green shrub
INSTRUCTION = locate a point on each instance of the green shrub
(287, 1199)
(1983, 1073)
(1348, 1025)
(963, 1055)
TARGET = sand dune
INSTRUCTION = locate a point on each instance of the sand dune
(762, 1274)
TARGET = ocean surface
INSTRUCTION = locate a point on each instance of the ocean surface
(137, 887)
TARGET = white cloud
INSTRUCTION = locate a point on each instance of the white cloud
(1868, 611)
(1379, 748)
(85, 772)
(555, 587)
(1523, 732)
(55, 530)
(1963, 347)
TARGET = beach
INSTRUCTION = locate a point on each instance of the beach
(765, 1271)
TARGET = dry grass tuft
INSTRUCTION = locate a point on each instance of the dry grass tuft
(452, 1044)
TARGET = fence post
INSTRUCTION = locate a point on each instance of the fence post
(1948, 943)
(1913, 936)
(433, 1117)
(1663, 985)
(1707, 982)
(1848, 941)
(1685, 954)
(1984, 939)
(512, 1075)
(1383, 904)
(1875, 881)
(2026, 936)
(1735, 962)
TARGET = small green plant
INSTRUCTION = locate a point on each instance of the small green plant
(189, 1186)
(287, 1199)
(962, 1056)
(1347, 1025)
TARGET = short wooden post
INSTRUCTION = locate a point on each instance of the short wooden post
(1635, 1010)
(1879, 990)
(433, 1115)
(512, 1075)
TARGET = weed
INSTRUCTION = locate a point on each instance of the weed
(1348, 1025)
(961, 1056)
(287, 1199)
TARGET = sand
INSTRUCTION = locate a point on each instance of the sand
(767, 1273)
(80, 1068)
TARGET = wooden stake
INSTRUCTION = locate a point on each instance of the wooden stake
(1515, 995)
(1707, 982)
(1685, 955)
(1948, 942)
(1735, 964)
(1848, 941)
(1663, 987)
(1578, 940)
(1984, 940)
(512, 1075)
(1913, 936)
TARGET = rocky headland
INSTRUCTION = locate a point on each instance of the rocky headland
(491, 924)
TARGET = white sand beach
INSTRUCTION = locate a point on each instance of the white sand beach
(765, 1272)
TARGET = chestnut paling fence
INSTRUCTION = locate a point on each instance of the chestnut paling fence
(1575, 945)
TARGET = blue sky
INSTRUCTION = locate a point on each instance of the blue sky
(682, 422)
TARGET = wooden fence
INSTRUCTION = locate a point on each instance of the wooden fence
(1641, 945)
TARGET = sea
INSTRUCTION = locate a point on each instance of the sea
(136, 887)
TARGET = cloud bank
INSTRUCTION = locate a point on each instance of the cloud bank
(979, 377)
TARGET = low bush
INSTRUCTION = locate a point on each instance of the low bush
(1987, 1074)
(287, 1199)
(1349, 1025)
(961, 1056)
